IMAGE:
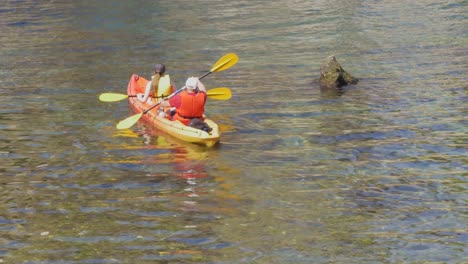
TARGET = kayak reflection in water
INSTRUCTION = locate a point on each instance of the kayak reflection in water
(195, 188)
(188, 163)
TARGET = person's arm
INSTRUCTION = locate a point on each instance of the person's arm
(145, 96)
(174, 101)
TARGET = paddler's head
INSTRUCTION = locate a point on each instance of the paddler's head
(159, 69)
(192, 84)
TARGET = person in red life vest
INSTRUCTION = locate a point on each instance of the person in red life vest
(190, 103)
(160, 85)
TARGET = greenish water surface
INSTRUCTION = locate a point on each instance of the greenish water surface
(374, 175)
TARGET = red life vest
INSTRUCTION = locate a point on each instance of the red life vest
(191, 106)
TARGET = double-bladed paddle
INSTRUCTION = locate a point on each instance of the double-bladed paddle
(225, 62)
(221, 93)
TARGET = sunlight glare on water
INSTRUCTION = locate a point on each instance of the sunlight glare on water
(302, 175)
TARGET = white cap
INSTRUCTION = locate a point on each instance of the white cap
(192, 82)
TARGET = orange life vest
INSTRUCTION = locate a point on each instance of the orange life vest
(192, 106)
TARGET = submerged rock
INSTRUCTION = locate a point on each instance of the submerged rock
(332, 74)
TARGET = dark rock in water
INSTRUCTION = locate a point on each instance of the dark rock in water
(332, 74)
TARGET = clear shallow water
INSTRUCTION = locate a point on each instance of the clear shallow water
(376, 175)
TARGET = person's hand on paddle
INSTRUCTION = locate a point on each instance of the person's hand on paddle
(222, 64)
(141, 97)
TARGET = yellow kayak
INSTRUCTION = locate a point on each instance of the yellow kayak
(137, 84)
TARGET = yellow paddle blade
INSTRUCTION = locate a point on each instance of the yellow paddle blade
(112, 97)
(226, 62)
(129, 121)
(222, 93)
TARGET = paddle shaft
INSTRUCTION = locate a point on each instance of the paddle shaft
(222, 64)
(176, 92)
(222, 93)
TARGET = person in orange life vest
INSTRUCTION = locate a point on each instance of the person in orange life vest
(160, 85)
(190, 103)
